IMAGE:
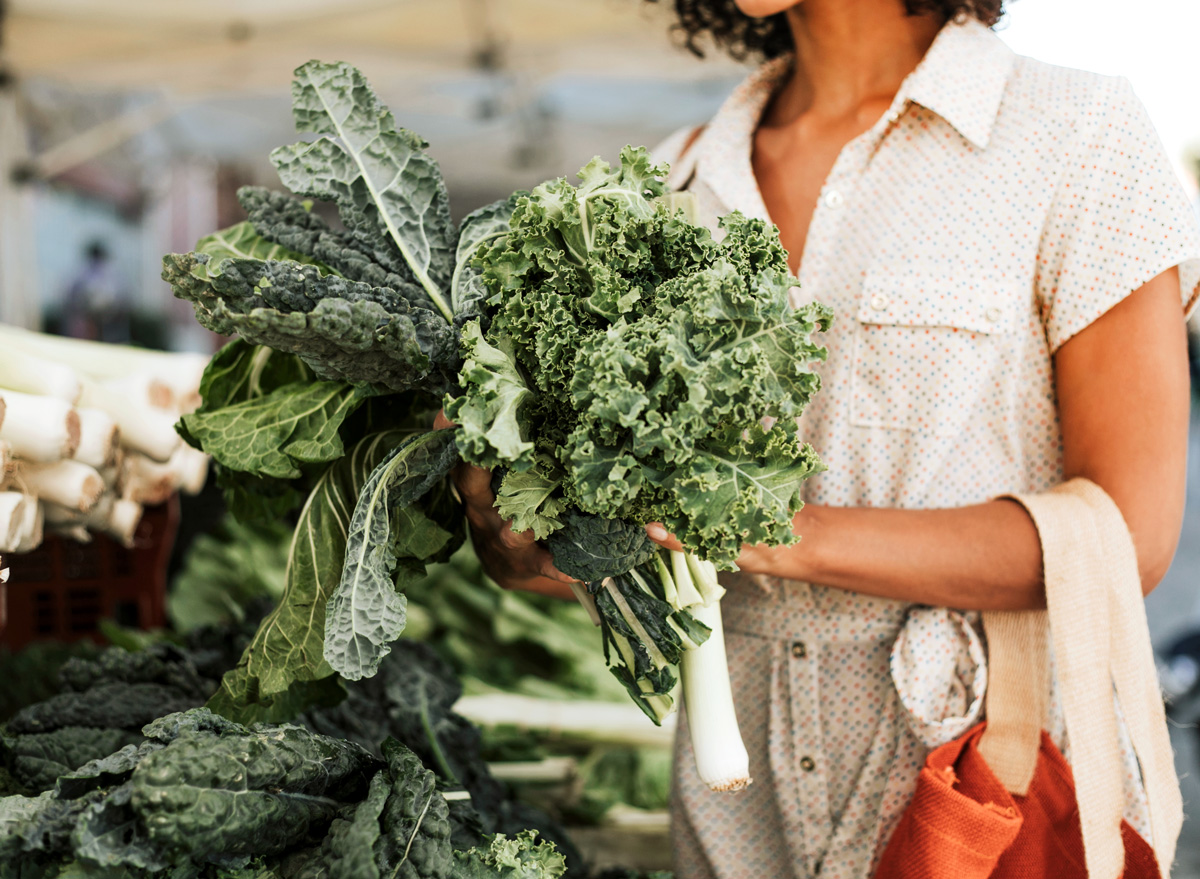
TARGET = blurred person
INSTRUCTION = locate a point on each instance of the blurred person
(96, 305)
(1010, 260)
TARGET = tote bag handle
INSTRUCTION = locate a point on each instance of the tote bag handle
(1095, 621)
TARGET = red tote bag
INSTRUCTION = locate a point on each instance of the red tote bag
(1001, 802)
(963, 823)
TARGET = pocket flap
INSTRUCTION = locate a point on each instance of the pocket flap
(975, 303)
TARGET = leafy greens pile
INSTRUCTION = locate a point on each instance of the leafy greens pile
(109, 788)
(602, 352)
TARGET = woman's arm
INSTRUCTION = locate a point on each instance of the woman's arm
(1122, 386)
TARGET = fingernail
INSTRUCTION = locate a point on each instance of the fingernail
(656, 531)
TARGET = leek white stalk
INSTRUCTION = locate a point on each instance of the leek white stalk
(704, 576)
(191, 469)
(39, 429)
(145, 388)
(114, 516)
(67, 483)
(143, 428)
(98, 437)
(147, 482)
(21, 371)
(686, 592)
(102, 360)
(32, 528)
(721, 757)
(12, 518)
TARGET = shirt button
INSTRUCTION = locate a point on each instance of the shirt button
(833, 199)
(799, 650)
(992, 314)
(879, 302)
(808, 764)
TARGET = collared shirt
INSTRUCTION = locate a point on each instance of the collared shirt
(998, 208)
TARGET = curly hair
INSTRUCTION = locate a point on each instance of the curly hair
(745, 37)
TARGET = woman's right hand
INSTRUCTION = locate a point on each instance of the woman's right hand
(514, 559)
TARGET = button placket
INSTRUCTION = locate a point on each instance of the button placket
(815, 822)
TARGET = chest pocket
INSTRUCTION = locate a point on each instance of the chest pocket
(930, 354)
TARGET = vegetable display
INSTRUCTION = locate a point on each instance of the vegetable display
(603, 353)
(387, 781)
(87, 436)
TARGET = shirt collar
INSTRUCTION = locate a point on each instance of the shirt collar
(961, 78)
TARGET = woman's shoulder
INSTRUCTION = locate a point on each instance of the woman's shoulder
(1043, 94)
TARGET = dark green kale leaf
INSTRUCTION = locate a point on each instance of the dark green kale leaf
(291, 223)
(590, 548)
(390, 194)
(415, 838)
(222, 792)
(111, 705)
(37, 760)
(367, 612)
(344, 330)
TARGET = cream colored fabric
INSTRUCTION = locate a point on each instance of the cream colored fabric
(1097, 627)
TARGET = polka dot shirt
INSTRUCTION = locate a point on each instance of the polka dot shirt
(998, 208)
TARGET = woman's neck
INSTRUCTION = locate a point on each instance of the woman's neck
(850, 56)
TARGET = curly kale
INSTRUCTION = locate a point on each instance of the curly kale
(628, 364)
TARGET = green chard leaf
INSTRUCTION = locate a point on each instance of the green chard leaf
(273, 435)
(386, 187)
(284, 666)
(366, 612)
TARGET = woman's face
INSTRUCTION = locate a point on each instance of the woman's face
(764, 8)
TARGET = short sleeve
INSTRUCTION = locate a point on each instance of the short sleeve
(1118, 218)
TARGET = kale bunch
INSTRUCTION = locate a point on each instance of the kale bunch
(207, 798)
(630, 361)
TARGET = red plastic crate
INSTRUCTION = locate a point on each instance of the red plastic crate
(63, 589)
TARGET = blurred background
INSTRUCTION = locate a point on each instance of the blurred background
(126, 127)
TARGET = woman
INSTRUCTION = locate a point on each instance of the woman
(1010, 259)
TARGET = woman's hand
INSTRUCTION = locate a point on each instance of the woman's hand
(513, 559)
(788, 562)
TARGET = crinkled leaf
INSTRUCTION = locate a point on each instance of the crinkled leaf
(37, 760)
(366, 613)
(223, 792)
(286, 655)
(102, 772)
(17, 813)
(519, 857)
(592, 548)
(292, 223)
(351, 844)
(110, 834)
(386, 187)
(415, 843)
(480, 228)
(532, 498)
(745, 490)
(490, 431)
(343, 329)
(242, 241)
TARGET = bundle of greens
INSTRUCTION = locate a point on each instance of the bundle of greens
(203, 796)
(597, 347)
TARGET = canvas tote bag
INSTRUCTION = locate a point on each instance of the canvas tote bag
(1001, 802)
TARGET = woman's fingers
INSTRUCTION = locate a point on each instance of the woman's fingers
(441, 422)
(656, 532)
